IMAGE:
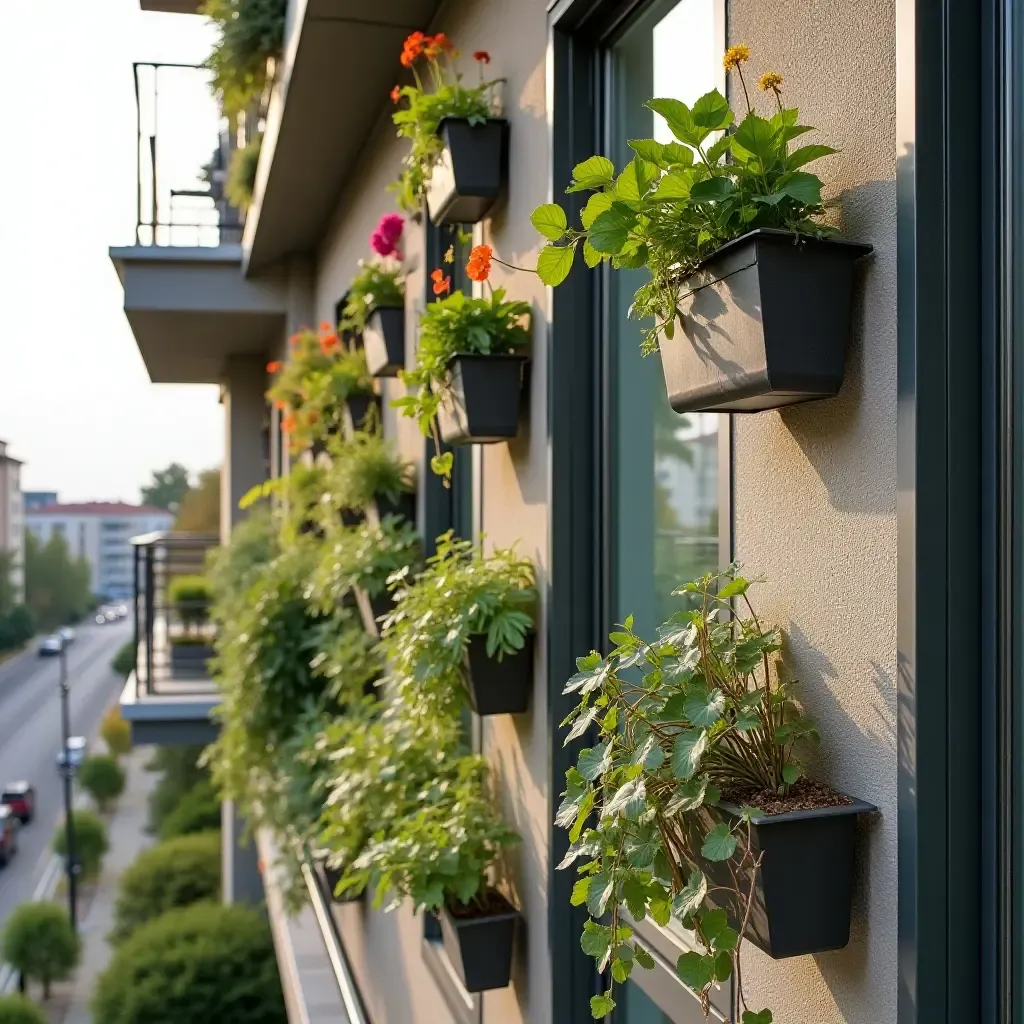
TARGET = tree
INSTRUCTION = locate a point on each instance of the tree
(199, 810)
(168, 487)
(57, 587)
(202, 963)
(199, 511)
(90, 841)
(115, 731)
(172, 874)
(18, 1010)
(102, 778)
(16, 627)
(40, 943)
(8, 563)
(124, 661)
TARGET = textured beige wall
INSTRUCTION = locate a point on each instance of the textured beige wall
(815, 492)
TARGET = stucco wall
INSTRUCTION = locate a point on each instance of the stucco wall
(815, 491)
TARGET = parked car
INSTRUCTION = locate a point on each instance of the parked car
(77, 746)
(9, 825)
(50, 646)
(122, 611)
(67, 634)
(20, 799)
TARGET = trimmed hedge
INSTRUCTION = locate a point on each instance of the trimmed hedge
(197, 811)
(18, 1010)
(40, 943)
(91, 842)
(204, 963)
(102, 778)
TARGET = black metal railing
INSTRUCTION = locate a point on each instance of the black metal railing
(183, 147)
(174, 633)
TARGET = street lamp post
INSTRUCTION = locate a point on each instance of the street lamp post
(68, 771)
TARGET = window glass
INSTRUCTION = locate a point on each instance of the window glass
(639, 1008)
(665, 473)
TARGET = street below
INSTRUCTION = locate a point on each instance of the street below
(30, 738)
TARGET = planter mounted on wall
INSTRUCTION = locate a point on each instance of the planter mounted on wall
(804, 890)
(384, 341)
(471, 173)
(481, 403)
(480, 948)
(358, 415)
(499, 687)
(763, 323)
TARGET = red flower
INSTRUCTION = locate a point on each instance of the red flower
(328, 343)
(295, 340)
(396, 94)
(325, 326)
(479, 266)
(288, 423)
(442, 284)
(483, 56)
(436, 45)
(413, 48)
(275, 366)
(281, 404)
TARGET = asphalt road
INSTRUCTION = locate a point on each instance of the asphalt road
(30, 738)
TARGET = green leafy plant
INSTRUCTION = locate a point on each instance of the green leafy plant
(675, 203)
(102, 778)
(198, 810)
(191, 597)
(39, 942)
(114, 730)
(226, 953)
(175, 873)
(91, 843)
(376, 284)
(686, 720)
(460, 595)
(19, 1010)
(366, 469)
(180, 772)
(453, 325)
(423, 105)
(241, 177)
(250, 33)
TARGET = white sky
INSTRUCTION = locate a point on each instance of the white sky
(76, 402)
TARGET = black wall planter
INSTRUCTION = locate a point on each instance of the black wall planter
(764, 323)
(472, 172)
(190, 659)
(481, 404)
(804, 889)
(384, 341)
(480, 948)
(499, 687)
(358, 414)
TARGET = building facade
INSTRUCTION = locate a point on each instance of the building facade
(887, 520)
(101, 533)
(38, 499)
(12, 517)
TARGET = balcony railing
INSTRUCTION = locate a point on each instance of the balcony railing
(183, 148)
(173, 635)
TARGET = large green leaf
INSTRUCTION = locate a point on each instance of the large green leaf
(610, 230)
(596, 939)
(554, 263)
(579, 891)
(757, 136)
(594, 761)
(687, 751)
(602, 1005)
(641, 849)
(596, 172)
(712, 190)
(696, 970)
(629, 799)
(650, 150)
(712, 112)
(597, 204)
(804, 188)
(592, 258)
(635, 181)
(691, 898)
(674, 185)
(550, 221)
(719, 844)
(634, 893)
(599, 893)
(702, 708)
(762, 1017)
(734, 588)
(687, 797)
(643, 958)
(805, 154)
(713, 922)
(678, 117)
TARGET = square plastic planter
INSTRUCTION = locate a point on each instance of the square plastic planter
(804, 890)
(499, 687)
(480, 948)
(358, 415)
(190, 659)
(384, 341)
(472, 172)
(763, 323)
(481, 403)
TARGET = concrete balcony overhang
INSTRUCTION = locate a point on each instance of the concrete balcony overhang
(171, 6)
(190, 308)
(176, 713)
(339, 63)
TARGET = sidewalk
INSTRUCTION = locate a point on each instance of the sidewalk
(127, 832)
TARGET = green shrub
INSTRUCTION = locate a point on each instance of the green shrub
(173, 874)
(40, 943)
(102, 778)
(241, 178)
(18, 1010)
(181, 773)
(90, 841)
(124, 661)
(201, 963)
(115, 731)
(191, 597)
(197, 811)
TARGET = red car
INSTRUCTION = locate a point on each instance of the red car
(9, 826)
(20, 799)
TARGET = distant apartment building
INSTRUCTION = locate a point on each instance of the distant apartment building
(101, 532)
(38, 499)
(12, 516)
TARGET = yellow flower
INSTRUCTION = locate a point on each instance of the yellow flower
(449, 256)
(735, 56)
(770, 80)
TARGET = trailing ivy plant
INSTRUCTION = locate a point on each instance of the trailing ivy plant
(675, 203)
(461, 594)
(425, 104)
(376, 284)
(684, 721)
(448, 327)
(365, 469)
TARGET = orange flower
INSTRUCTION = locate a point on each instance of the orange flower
(442, 284)
(328, 343)
(413, 48)
(437, 45)
(396, 94)
(325, 326)
(275, 366)
(288, 423)
(483, 56)
(479, 266)
(295, 340)
(280, 404)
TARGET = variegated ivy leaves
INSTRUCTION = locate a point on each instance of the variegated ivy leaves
(678, 720)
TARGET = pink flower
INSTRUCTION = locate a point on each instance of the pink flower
(384, 240)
